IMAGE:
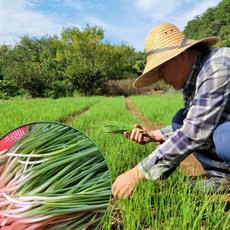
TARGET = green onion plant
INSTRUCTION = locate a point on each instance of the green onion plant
(53, 176)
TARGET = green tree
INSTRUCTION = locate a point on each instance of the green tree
(80, 60)
(33, 65)
(22, 65)
(81, 53)
(3, 52)
(224, 36)
(117, 60)
(214, 22)
(139, 64)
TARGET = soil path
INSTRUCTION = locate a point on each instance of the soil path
(145, 121)
(73, 116)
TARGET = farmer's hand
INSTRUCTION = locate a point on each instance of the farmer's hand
(143, 135)
(126, 182)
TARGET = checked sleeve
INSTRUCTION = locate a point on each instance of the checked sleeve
(209, 107)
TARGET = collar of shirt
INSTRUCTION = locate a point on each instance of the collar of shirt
(190, 85)
(191, 82)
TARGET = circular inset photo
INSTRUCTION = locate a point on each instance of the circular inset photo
(53, 177)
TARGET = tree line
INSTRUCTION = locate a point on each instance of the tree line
(81, 61)
(77, 61)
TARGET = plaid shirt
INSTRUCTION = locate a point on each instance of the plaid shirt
(207, 98)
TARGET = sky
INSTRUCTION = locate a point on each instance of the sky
(127, 21)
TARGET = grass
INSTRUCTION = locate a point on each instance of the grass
(17, 112)
(163, 204)
(159, 108)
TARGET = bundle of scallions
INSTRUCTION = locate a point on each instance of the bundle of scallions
(121, 128)
(116, 127)
(54, 177)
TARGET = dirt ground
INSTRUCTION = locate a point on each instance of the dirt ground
(190, 166)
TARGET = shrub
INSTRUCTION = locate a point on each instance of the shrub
(161, 85)
(125, 88)
(3, 96)
(59, 89)
(8, 88)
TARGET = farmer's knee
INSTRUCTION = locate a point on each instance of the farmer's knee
(221, 139)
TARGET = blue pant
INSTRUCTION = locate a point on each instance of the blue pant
(216, 159)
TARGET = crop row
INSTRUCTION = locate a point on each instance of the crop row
(162, 204)
(18, 112)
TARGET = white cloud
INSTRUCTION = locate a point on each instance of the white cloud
(130, 23)
(110, 29)
(175, 11)
(157, 9)
(201, 6)
(121, 33)
(18, 18)
(149, 13)
(183, 15)
(75, 4)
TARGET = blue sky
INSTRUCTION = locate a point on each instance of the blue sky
(126, 21)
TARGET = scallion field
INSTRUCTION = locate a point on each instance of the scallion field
(162, 204)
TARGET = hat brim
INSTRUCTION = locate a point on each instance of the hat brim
(150, 73)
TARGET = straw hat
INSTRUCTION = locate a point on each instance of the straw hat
(164, 42)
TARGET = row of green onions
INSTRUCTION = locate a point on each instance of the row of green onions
(53, 178)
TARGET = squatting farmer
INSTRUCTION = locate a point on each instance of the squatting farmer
(202, 127)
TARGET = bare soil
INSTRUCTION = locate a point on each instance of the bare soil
(73, 116)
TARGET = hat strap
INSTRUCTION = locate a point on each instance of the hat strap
(183, 44)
